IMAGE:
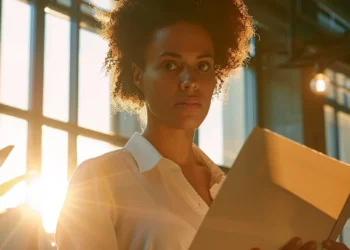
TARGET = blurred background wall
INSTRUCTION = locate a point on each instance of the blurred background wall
(55, 99)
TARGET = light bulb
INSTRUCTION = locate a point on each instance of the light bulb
(320, 86)
(319, 83)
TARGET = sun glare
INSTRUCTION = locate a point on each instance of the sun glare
(46, 195)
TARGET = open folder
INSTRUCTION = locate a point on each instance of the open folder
(276, 189)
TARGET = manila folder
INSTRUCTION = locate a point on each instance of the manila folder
(276, 189)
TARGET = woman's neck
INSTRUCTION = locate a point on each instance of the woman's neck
(173, 144)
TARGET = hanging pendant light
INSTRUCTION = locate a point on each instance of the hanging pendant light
(320, 83)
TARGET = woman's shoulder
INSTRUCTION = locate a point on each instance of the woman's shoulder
(105, 165)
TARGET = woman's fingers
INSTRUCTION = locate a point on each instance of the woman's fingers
(293, 244)
(297, 244)
(311, 245)
(333, 245)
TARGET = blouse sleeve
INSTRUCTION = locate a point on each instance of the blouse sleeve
(86, 221)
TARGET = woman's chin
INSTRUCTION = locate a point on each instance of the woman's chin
(188, 123)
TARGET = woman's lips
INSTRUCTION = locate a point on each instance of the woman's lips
(188, 105)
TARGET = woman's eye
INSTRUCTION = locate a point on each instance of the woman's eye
(170, 66)
(204, 66)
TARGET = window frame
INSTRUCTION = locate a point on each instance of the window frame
(250, 106)
(34, 115)
(337, 107)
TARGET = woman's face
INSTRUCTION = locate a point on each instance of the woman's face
(179, 78)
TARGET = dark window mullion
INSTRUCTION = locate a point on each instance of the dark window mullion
(74, 86)
(16, 112)
(83, 17)
(36, 84)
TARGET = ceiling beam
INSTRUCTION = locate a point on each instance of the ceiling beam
(340, 10)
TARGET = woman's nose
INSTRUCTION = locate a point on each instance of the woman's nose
(189, 86)
(188, 81)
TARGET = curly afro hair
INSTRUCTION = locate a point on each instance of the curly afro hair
(129, 26)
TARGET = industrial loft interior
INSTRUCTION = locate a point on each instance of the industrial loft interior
(56, 111)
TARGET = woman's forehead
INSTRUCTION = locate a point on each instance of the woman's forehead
(181, 39)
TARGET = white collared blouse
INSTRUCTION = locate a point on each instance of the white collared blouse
(133, 199)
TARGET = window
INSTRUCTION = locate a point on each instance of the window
(64, 142)
(342, 96)
(211, 133)
(330, 92)
(15, 45)
(127, 124)
(226, 127)
(346, 233)
(344, 148)
(330, 131)
(55, 153)
(67, 3)
(89, 148)
(56, 68)
(13, 131)
(337, 124)
(344, 136)
(94, 87)
(347, 85)
(53, 180)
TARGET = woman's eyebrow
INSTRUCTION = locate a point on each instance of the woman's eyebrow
(172, 54)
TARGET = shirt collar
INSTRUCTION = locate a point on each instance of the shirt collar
(147, 156)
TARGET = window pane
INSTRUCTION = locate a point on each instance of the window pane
(330, 92)
(13, 131)
(235, 118)
(331, 146)
(55, 153)
(211, 133)
(53, 178)
(56, 68)
(90, 148)
(94, 85)
(341, 94)
(223, 132)
(346, 234)
(344, 136)
(14, 75)
(347, 85)
(127, 124)
(67, 3)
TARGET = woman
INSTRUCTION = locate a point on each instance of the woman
(167, 58)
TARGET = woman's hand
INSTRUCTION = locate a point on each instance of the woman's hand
(333, 245)
(297, 244)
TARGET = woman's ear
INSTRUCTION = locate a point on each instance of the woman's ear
(137, 73)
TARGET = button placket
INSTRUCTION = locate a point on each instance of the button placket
(194, 198)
